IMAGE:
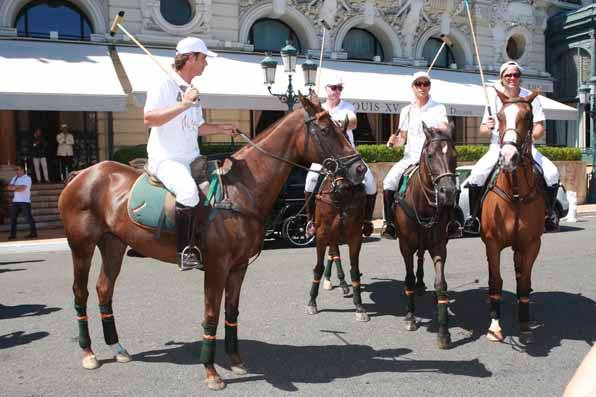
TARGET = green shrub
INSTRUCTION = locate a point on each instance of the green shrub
(468, 153)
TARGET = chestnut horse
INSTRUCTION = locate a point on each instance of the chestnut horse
(339, 214)
(513, 212)
(422, 218)
(93, 209)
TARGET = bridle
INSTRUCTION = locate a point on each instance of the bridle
(527, 137)
(433, 190)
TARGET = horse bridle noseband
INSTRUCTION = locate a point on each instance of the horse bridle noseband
(434, 179)
(524, 146)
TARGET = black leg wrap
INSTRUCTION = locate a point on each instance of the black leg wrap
(495, 309)
(314, 291)
(108, 323)
(442, 315)
(328, 267)
(523, 312)
(84, 338)
(340, 270)
(357, 297)
(208, 346)
(231, 341)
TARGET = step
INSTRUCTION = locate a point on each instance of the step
(44, 211)
(38, 218)
(49, 186)
(46, 192)
(38, 225)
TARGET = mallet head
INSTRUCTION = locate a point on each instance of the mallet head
(116, 22)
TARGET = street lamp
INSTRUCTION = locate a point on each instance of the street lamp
(288, 56)
(588, 101)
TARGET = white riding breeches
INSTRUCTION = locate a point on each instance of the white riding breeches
(485, 165)
(391, 181)
(176, 178)
(370, 185)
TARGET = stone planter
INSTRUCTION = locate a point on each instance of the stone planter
(573, 177)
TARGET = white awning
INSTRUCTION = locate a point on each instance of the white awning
(38, 75)
(235, 81)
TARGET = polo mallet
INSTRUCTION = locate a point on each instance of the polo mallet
(325, 28)
(490, 113)
(446, 41)
(172, 76)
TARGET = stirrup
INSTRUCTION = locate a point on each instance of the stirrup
(455, 229)
(389, 232)
(186, 255)
(472, 225)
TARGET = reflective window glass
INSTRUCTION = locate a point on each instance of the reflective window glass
(270, 35)
(362, 45)
(38, 18)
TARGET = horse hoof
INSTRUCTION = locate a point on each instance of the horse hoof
(495, 336)
(526, 338)
(327, 285)
(123, 357)
(215, 383)
(361, 317)
(239, 369)
(411, 325)
(444, 341)
(90, 362)
(311, 309)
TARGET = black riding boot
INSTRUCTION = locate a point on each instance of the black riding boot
(388, 204)
(367, 228)
(472, 224)
(551, 223)
(184, 233)
(309, 206)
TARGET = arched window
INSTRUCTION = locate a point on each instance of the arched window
(363, 45)
(39, 18)
(572, 68)
(270, 35)
(176, 12)
(429, 52)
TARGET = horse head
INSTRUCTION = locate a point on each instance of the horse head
(438, 161)
(515, 129)
(332, 147)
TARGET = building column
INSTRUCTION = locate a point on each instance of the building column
(8, 143)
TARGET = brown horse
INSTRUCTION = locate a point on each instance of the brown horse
(422, 218)
(93, 208)
(339, 214)
(513, 212)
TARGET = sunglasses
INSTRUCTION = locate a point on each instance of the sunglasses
(422, 83)
(512, 75)
(336, 87)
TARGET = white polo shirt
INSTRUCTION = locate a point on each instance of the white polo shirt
(497, 105)
(176, 139)
(432, 113)
(339, 113)
(25, 195)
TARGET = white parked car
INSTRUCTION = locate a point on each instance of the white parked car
(463, 210)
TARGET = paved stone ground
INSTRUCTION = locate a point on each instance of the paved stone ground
(159, 311)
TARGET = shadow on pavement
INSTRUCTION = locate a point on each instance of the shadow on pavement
(19, 262)
(284, 365)
(20, 338)
(7, 312)
(10, 270)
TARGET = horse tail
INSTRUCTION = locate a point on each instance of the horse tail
(70, 177)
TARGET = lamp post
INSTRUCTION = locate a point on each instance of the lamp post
(288, 56)
(588, 101)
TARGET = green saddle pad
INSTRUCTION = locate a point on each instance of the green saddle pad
(147, 204)
(405, 178)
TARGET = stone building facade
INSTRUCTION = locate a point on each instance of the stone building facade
(403, 33)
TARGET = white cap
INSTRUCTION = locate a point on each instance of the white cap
(192, 44)
(334, 80)
(419, 75)
(510, 63)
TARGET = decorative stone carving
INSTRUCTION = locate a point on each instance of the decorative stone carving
(329, 9)
(369, 10)
(279, 7)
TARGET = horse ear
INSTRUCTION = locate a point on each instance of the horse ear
(532, 96)
(308, 106)
(314, 98)
(504, 98)
(427, 131)
(345, 126)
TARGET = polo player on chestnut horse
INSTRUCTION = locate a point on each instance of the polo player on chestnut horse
(93, 209)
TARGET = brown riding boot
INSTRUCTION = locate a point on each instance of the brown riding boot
(309, 205)
(187, 256)
(367, 227)
(388, 203)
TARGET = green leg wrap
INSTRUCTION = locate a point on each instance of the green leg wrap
(328, 267)
(108, 323)
(231, 341)
(340, 270)
(208, 347)
(84, 338)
